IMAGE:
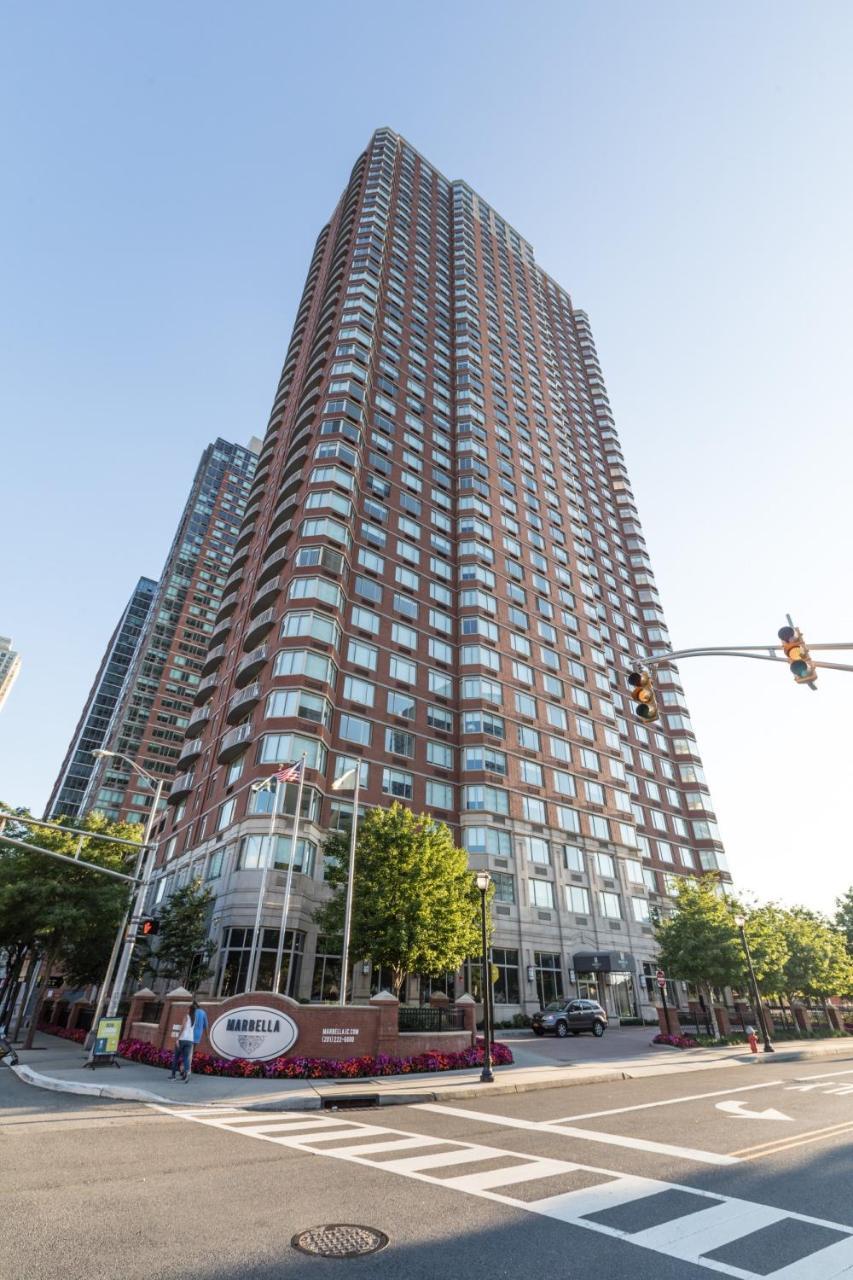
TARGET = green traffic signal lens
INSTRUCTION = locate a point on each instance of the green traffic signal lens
(799, 668)
(645, 712)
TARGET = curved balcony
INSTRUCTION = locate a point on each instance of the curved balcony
(205, 690)
(180, 788)
(258, 628)
(190, 752)
(235, 741)
(280, 537)
(197, 722)
(272, 564)
(245, 536)
(240, 557)
(265, 595)
(229, 604)
(213, 659)
(219, 632)
(250, 666)
(285, 509)
(233, 580)
(242, 702)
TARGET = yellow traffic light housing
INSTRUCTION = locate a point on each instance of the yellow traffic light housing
(643, 693)
(797, 654)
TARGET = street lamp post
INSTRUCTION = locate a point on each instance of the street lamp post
(740, 921)
(486, 1075)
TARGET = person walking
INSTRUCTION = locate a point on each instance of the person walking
(193, 1028)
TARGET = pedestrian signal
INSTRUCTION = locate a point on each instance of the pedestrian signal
(148, 927)
(643, 693)
(797, 654)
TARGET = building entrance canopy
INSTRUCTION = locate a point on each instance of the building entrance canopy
(603, 962)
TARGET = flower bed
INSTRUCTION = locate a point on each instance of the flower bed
(676, 1042)
(77, 1033)
(206, 1064)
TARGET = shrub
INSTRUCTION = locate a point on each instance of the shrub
(676, 1042)
(296, 1068)
(77, 1034)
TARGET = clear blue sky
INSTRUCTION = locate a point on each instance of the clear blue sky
(683, 170)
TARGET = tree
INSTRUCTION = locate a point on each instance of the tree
(65, 914)
(844, 917)
(416, 908)
(699, 941)
(818, 963)
(183, 947)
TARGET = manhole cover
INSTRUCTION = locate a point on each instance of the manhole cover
(339, 1240)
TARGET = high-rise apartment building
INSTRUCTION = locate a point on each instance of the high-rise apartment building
(10, 665)
(90, 734)
(156, 702)
(441, 575)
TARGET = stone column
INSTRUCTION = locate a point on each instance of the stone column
(387, 1007)
(668, 1021)
(468, 1005)
(803, 1018)
(836, 1018)
(722, 1016)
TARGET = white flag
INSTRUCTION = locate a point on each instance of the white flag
(346, 782)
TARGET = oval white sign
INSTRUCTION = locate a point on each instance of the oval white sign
(254, 1032)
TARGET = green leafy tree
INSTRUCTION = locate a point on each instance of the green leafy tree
(65, 914)
(699, 941)
(766, 934)
(844, 917)
(183, 948)
(416, 908)
(818, 964)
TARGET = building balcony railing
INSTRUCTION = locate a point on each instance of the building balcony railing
(229, 604)
(272, 564)
(180, 788)
(280, 536)
(213, 659)
(265, 595)
(197, 722)
(205, 690)
(246, 535)
(190, 751)
(258, 628)
(235, 741)
(243, 702)
(250, 666)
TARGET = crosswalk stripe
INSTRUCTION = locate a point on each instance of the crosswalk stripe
(491, 1178)
(695, 1234)
(835, 1260)
(724, 1221)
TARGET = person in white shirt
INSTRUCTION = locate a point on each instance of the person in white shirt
(192, 1029)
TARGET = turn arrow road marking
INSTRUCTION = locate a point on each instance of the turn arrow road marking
(742, 1111)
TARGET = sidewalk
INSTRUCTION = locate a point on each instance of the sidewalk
(59, 1065)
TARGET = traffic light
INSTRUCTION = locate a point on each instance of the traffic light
(643, 693)
(148, 926)
(799, 658)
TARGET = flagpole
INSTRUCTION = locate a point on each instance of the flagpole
(285, 906)
(350, 884)
(255, 954)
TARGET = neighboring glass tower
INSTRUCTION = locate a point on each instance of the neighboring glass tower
(156, 700)
(70, 786)
(10, 665)
(441, 574)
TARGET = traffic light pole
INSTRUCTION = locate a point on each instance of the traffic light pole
(138, 904)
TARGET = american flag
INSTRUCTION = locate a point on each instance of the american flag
(289, 772)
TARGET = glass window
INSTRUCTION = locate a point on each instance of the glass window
(396, 783)
(439, 795)
(310, 624)
(534, 810)
(606, 866)
(504, 886)
(302, 662)
(573, 858)
(541, 893)
(299, 702)
(353, 729)
(361, 654)
(609, 906)
(402, 669)
(549, 978)
(577, 899)
(440, 754)
(361, 691)
(399, 743)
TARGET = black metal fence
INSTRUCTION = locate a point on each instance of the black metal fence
(430, 1018)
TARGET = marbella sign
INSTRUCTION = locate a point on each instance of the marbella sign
(254, 1032)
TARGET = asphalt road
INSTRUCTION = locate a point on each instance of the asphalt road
(743, 1171)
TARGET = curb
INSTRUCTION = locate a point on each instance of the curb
(407, 1097)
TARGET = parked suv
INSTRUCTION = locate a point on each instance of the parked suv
(576, 1016)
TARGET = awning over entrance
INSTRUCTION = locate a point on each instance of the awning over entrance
(603, 962)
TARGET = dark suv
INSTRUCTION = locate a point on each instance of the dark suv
(576, 1016)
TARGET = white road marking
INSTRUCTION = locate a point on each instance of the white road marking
(667, 1102)
(823, 1075)
(587, 1135)
(740, 1110)
(721, 1221)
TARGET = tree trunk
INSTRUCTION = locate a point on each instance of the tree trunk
(797, 1030)
(712, 1017)
(34, 1021)
(10, 982)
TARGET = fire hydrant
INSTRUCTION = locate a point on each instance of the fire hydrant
(752, 1039)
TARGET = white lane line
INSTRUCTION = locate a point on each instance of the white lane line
(667, 1102)
(824, 1075)
(586, 1135)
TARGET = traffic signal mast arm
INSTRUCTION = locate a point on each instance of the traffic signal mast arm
(763, 652)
